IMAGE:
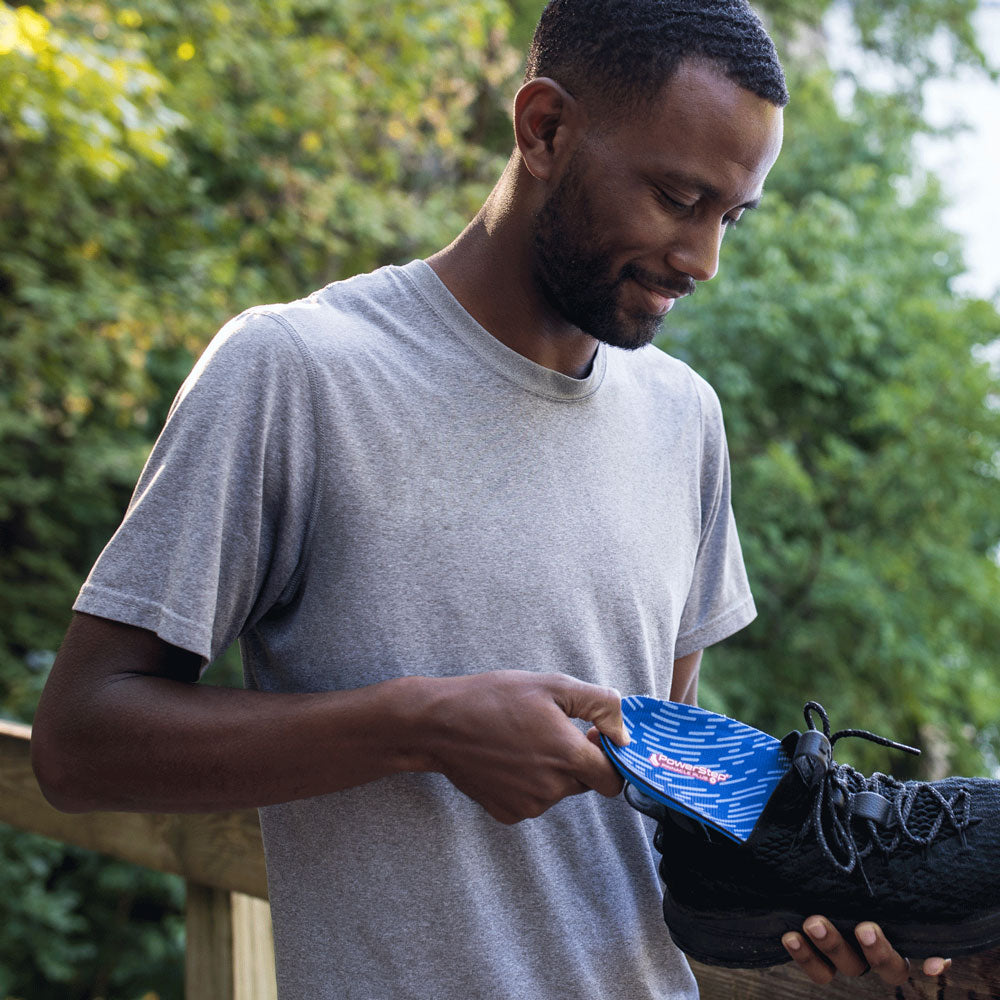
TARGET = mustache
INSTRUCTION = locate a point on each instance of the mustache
(677, 285)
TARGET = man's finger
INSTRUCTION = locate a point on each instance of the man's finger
(936, 966)
(593, 767)
(841, 954)
(598, 705)
(807, 958)
(890, 966)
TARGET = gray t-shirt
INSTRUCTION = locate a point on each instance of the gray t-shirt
(365, 484)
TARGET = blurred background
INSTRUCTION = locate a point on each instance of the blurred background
(165, 164)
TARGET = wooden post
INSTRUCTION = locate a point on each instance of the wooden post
(208, 963)
(230, 954)
(253, 949)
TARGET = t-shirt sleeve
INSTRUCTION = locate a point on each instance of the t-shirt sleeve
(719, 601)
(214, 535)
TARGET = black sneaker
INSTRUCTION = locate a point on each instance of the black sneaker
(921, 859)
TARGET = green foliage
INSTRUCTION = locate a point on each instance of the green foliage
(86, 927)
(75, 120)
(917, 39)
(899, 30)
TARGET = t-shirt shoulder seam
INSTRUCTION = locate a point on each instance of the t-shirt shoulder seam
(693, 379)
(319, 464)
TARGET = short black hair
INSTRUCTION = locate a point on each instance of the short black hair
(621, 53)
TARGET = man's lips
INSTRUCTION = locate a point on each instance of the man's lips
(661, 300)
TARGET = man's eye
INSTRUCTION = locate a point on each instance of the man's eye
(672, 202)
(730, 220)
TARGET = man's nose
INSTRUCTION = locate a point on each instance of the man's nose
(696, 251)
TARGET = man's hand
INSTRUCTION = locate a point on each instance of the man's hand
(821, 952)
(506, 740)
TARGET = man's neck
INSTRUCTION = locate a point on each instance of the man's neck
(488, 270)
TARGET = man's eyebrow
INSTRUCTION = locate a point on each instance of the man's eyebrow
(708, 191)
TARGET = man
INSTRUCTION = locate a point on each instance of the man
(448, 509)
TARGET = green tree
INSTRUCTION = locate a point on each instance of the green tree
(75, 926)
(902, 31)
(76, 120)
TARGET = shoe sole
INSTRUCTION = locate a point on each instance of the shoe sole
(753, 940)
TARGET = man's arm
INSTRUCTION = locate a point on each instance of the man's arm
(123, 725)
(684, 684)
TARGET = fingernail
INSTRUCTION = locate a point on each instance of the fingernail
(817, 931)
(935, 967)
(866, 935)
(791, 942)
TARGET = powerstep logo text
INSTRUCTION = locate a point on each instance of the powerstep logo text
(697, 771)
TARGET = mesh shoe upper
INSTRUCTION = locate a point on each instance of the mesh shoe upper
(831, 840)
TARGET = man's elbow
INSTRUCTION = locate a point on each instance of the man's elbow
(60, 773)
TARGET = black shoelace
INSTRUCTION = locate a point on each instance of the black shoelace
(838, 823)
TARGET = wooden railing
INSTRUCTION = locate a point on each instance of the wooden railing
(229, 953)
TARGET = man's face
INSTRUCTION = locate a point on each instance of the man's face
(638, 214)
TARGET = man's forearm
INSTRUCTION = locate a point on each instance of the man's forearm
(146, 743)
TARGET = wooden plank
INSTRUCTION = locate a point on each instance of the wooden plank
(222, 850)
(974, 977)
(208, 956)
(253, 949)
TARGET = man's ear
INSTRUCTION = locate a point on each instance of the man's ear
(546, 120)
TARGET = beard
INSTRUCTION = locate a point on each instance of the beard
(574, 271)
